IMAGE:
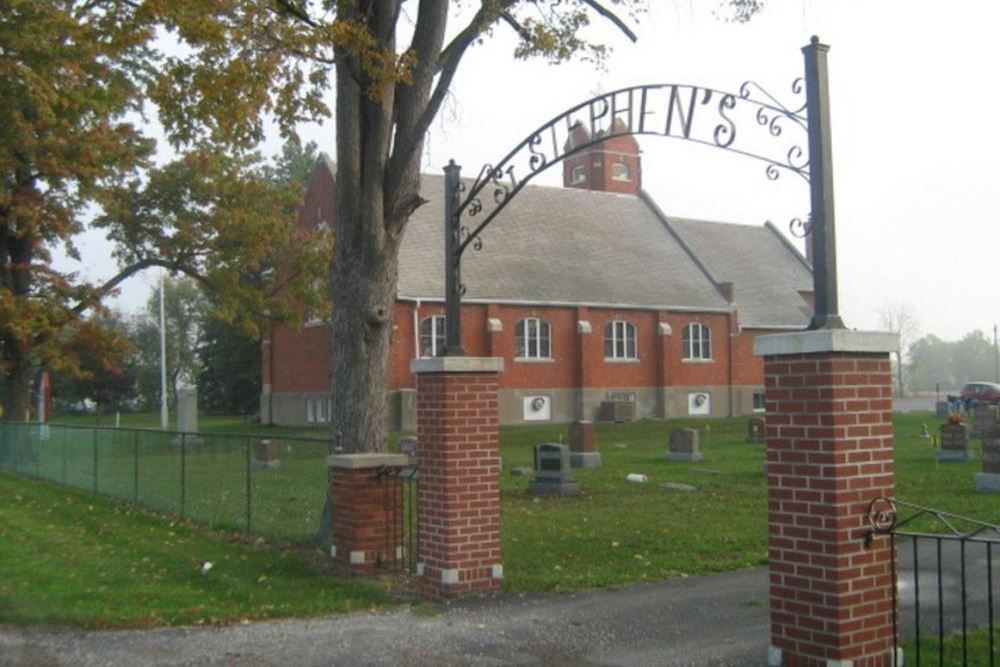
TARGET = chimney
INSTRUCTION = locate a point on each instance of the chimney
(611, 165)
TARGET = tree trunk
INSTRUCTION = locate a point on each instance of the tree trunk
(17, 399)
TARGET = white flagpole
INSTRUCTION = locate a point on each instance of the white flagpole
(164, 416)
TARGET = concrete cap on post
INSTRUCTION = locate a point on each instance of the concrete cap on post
(457, 365)
(825, 340)
(366, 460)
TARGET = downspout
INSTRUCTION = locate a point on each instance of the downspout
(416, 330)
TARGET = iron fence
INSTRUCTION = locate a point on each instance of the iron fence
(944, 580)
(273, 486)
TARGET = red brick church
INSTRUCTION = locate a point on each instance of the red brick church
(600, 305)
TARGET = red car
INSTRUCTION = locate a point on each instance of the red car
(981, 392)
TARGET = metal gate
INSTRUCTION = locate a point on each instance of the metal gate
(943, 582)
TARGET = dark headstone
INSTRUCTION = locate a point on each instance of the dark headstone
(991, 455)
(942, 409)
(954, 443)
(984, 423)
(683, 445)
(552, 472)
(755, 429)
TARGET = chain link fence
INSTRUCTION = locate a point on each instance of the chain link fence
(272, 486)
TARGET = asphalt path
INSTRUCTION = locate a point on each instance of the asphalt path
(718, 620)
(714, 620)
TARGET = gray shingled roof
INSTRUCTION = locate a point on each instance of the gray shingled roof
(561, 246)
(767, 274)
(554, 245)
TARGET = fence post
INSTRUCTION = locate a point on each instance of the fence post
(64, 432)
(95, 460)
(135, 467)
(249, 485)
(183, 472)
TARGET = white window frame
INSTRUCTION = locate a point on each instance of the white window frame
(310, 411)
(436, 335)
(528, 344)
(616, 176)
(620, 333)
(578, 174)
(696, 342)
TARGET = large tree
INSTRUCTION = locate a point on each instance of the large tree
(247, 58)
(72, 74)
(68, 74)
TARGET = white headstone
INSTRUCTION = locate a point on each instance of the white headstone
(187, 410)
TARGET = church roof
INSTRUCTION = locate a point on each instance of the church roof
(567, 246)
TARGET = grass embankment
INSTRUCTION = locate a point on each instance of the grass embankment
(71, 557)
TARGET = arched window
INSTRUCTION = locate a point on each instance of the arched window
(697, 339)
(432, 336)
(533, 339)
(619, 340)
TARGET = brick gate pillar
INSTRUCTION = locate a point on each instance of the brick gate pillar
(367, 512)
(829, 437)
(458, 454)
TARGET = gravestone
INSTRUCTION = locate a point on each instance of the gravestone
(984, 423)
(683, 445)
(265, 454)
(552, 472)
(408, 446)
(942, 409)
(583, 445)
(954, 444)
(187, 416)
(989, 479)
(755, 429)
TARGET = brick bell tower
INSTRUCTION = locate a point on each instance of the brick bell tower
(612, 165)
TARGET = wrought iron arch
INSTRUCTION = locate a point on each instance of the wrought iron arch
(667, 110)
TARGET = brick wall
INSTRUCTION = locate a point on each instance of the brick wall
(829, 454)
(459, 492)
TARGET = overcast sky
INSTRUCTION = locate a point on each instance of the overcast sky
(915, 148)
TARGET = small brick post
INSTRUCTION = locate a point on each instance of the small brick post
(367, 504)
(458, 498)
(829, 454)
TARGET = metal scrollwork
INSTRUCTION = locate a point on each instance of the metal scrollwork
(882, 515)
(800, 228)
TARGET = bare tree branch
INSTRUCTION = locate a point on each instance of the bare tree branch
(611, 16)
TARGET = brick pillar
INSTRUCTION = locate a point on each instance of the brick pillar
(367, 510)
(458, 498)
(829, 454)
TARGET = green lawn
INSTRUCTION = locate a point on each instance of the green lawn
(67, 556)
(614, 533)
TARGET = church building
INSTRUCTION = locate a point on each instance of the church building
(600, 304)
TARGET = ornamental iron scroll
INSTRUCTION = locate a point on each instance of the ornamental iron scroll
(752, 123)
(887, 516)
(732, 122)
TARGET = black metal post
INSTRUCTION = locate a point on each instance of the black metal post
(249, 485)
(452, 262)
(95, 460)
(821, 228)
(135, 467)
(183, 472)
(64, 435)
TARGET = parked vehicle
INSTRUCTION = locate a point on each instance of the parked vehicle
(980, 392)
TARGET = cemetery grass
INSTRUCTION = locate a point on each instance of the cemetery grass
(70, 557)
(618, 532)
(613, 534)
